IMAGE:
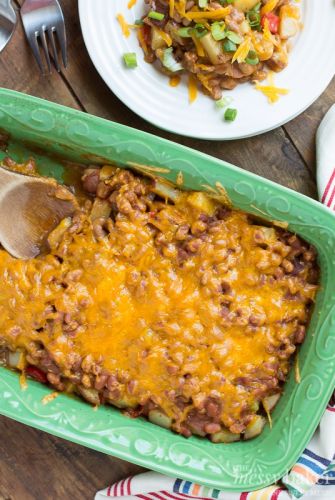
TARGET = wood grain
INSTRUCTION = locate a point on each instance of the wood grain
(302, 130)
(37, 466)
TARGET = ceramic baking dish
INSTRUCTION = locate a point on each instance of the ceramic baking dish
(52, 133)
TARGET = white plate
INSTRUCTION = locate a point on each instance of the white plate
(147, 92)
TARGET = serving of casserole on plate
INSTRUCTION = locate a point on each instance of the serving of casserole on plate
(146, 90)
(171, 303)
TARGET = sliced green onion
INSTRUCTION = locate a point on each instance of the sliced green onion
(218, 31)
(229, 46)
(184, 32)
(130, 59)
(230, 114)
(169, 61)
(223, 102)
(200, 30)
(139, 22)
(234, 37)
(253, 62)
(257, 7)
(254, 19)
(202, 3)
(156, 15)
(252, 58)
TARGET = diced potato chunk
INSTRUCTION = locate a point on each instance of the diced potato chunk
(202, 202)
(270, 402)
(159, 418)
(165, 190)
(255, 427)
(225, 436)
(56, 235)
(91, 395)
(212, 48)
(245, 5)
(14, 359)
(288, 27)
(157, 41)
(106, 172)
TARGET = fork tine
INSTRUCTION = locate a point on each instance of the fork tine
(45, 48)
(32, 39)
(61, 35)
(51, 33)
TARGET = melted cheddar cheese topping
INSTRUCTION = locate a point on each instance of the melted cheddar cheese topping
(171, 300)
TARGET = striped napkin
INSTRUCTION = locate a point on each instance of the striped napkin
(313, 476)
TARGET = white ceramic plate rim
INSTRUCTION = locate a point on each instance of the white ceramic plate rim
(311, 68)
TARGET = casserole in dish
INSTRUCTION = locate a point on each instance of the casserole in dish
(164, 303)
(56, 131)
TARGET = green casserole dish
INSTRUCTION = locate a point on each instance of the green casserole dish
(52, 134)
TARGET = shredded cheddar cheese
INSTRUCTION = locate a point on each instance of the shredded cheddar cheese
(268, 414)
(297, 369)
(272, 93)
(174, 81)
(269, 7)
(132, 304)
(180, 178)
(268, 35)
(192, 89)
(23, 381)
(49, 397)
(166, 37)
(198, 46)
(211, 14)
(204, 81)
(124, 26)
(131, 3)
(141, 39)
(171, 7)
(243, 50)
(180, 7)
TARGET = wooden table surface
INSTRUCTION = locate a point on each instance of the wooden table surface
(34, 465)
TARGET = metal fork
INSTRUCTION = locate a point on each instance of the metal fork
(43, 22)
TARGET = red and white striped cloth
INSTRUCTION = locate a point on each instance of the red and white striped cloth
(313, 476)
(325, 152)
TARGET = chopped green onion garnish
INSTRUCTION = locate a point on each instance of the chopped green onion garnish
(234, 37)
(156, 15)
(252, 58)
(218, 31)
(130, 59)
(200, 30)
(169, 61)
(229, 46)
(223, 102)
(257, 7)
(184, 32)
(254, 19)
(139, 22)
(230, 114)
(202, 3)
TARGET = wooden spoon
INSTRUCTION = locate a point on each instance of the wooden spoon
(30, 208)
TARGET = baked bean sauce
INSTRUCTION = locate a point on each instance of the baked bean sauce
(166, 304)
